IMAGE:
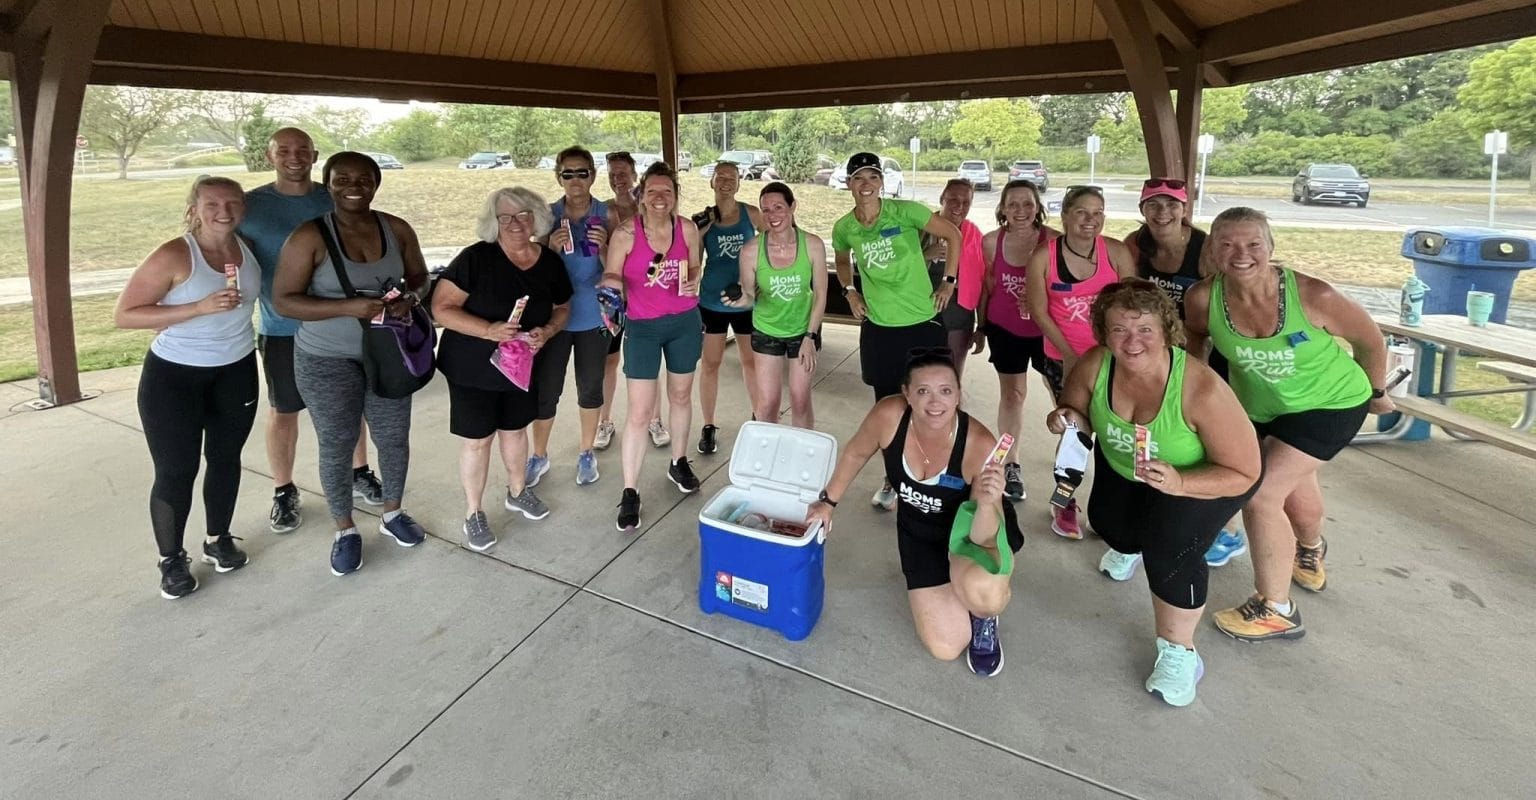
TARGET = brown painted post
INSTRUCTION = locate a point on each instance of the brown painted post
(49, 62)
(1191, 90)
(666, 78)
(1130, 27)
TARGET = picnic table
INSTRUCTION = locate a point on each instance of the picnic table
(1444, 337)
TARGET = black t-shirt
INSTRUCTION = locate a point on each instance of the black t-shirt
(1175, 284)
(494, 284)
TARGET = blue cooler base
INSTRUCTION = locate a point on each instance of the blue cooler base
(772, 585)
(1449, 284)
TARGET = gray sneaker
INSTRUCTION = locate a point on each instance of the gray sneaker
(528, 504)
(477, 532)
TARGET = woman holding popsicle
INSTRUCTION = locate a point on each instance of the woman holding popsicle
(1174, 459)
(505, 288)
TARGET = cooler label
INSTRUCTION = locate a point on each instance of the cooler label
(740, 591)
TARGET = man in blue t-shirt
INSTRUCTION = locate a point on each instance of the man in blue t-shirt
(272, 212)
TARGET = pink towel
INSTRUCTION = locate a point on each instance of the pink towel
(514, 360)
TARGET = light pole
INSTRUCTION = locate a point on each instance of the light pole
(1094, 142)
(1205, 144)
(1494, 143)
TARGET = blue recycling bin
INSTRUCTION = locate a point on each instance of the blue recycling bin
(1454, 261)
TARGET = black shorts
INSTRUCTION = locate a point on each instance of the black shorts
(1013, 354)
(1320, 433)
(477, 413)
(616, 343)
(884, 352)
(277, 367)
(925, 560)
(718, 322)
(956, 317)
(1171, 533)
(773, 346)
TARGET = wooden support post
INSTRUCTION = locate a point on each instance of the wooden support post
(49, 64)
(666, 79)
(1130, 26)
(1191, 92)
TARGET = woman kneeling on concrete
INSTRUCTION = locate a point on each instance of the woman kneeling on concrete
(950, 515)
(1174, 458)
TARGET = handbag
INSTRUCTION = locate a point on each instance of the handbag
(398, 354)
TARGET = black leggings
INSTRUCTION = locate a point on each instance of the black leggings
(1171, 533)
(185, 410)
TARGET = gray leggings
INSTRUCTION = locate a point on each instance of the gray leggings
(336, 392)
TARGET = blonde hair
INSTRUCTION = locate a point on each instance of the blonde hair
(521, 199)
(190, 220)
(1235, 215)
(1142, 297)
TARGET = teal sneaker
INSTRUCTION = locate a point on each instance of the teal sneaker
(1119, 566)
(1228, 545)
(1175, 674)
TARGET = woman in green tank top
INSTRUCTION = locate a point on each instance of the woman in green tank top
(1175, 458)
(1306, 395)
(784, 282)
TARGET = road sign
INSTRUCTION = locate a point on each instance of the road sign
(1206, 144)
(916, 145)
(81, 143)
(1093, 143)
(1495, 143)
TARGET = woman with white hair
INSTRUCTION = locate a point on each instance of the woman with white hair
(475, 301)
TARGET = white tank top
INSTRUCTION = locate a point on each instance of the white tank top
(211, 340)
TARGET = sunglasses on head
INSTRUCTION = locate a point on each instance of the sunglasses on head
(573, 174)
(1081, 188)
(1163, 183)
(924, 352)
(621, 154)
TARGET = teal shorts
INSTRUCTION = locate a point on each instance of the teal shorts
(679, 336)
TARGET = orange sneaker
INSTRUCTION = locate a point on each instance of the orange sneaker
(1308, 571)
(1257, 620)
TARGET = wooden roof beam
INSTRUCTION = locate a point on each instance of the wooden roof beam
(1170, 20)
(1309, 20)
(1147, 70)
(1026, 87)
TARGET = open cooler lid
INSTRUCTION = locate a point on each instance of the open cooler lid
(783, 458)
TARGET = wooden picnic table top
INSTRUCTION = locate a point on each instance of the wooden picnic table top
(1504, 342)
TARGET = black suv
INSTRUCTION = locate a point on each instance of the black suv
(1336, 183)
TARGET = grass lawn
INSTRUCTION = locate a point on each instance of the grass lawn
(101, 344)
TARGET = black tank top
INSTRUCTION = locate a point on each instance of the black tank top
(923, 510)
(1175, 284)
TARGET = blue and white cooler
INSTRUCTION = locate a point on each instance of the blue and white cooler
(753, 564)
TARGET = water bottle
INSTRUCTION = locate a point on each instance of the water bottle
(1411, 312)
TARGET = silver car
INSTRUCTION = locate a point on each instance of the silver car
(979, 173)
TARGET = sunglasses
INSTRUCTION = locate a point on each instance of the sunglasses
(574, 174)
(1163, 183)
(655, 268)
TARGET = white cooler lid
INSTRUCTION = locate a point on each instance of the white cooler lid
(783, 458)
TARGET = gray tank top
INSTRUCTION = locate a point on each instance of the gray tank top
(342, 337)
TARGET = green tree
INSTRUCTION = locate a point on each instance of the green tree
(1442, 148)
(255, 134)
(1010, 126)
(1068, 119)
(225, 114)
(1223, 111)
(123, 116)
(335, 129)
(7, 119)
(1498, 96)
(794, 156)
(637, 130)
(417, 136)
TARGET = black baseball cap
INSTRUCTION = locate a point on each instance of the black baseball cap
(860, 161)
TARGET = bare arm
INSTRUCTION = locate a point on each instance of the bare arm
(448, 309)
(756, 216)
(946, 230)
(878, 427)
(988, 277)
(1232, 459)
(986, 486)
(1120, 258)
(1077, 393)
(1343, 317)
(170, 264)
(304, 251)
(1197, 308)
(620, 242)
(856, 304)
(816, 249)
(1039, 266)
(746, 275)
(695, 253)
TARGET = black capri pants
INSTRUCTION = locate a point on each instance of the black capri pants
(1171, 533)
(590, 349)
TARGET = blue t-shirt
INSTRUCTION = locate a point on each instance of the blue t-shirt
(722, 264)
(583, 265)
(270, 216)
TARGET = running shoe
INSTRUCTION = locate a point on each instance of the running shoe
(1119, 566)
(1228, 545)
(405, 531)
(707, 444)
(884, 499)
(629, 511)
(366, 486)
(682, 476)
(224, 555)
(1175, 674)
(477, 533)
(537, 466)
(660, 436)
(1308, 571)
(347, 553)
(528, 504)
(586, 468)
(176, 579)
(1257, 621)
(985, 655)
(285, 514)
(1064, 521)
(604, 435)
(1013, 483)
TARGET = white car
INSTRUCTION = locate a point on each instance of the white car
(979, 173)
(894, 182)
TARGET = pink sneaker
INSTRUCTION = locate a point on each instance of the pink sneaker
(1064, 521)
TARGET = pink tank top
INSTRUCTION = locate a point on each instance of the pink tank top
(1069, 303)
(969, 272)
(650, 288)
(1008, 292)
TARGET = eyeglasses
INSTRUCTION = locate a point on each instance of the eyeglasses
(522, 217)
(1161, 183)
(573, 174)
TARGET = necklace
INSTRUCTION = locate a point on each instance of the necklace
(1091, 246)
(924, 453)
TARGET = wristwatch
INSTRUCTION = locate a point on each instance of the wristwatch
(1377, 394)
(950, 279)
(825, 499)
(849, 288)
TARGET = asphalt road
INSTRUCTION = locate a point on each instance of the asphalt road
(1376, 216)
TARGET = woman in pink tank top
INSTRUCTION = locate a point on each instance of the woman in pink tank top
(1004, 322)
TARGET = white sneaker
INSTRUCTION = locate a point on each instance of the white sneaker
(604, 435)
(1119, 566)
(884, 499)
(660, 436)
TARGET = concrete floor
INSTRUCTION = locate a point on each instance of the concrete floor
(573, 661)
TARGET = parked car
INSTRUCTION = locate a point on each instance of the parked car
(894, 181)
(644, 160)
(751, 163)
(385, 161)
(547, 162)
(600, 162)
(7, 156)
(1032, 171)
(487, 160)
(825, 166)
(979, 173)
(1336, 183)
(684, 161)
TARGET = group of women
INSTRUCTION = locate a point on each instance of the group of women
(1180, 447)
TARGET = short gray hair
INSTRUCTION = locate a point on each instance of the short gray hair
(522, 199)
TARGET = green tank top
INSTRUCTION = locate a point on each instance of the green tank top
(1170, 436)
(1301, 368)
(783, 307)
